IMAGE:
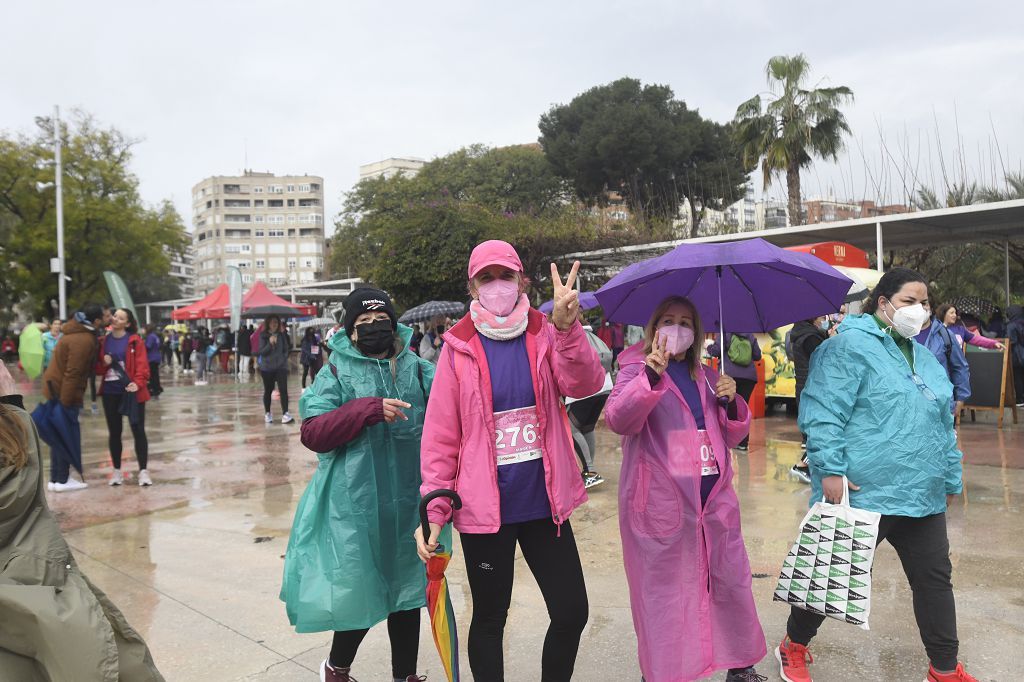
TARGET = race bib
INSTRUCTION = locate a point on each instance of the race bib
(516, 435)
(314, 350)
(708, 463)
(111, 375)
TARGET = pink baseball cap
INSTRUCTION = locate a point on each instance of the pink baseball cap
(493, 252)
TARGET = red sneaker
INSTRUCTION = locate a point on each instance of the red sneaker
(793, 659)
(330, 674)
(958, 675)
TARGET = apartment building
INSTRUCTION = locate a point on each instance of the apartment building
(183, 270)
(388, 168)
(269, 226)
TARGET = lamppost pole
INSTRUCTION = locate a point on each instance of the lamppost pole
(61, 279)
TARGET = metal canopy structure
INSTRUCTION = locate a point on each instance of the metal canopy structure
(999, 222)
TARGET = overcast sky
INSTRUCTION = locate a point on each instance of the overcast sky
(322, 87)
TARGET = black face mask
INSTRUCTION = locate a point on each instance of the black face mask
(375, 337)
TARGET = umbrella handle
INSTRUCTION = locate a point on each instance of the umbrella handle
(427, 499)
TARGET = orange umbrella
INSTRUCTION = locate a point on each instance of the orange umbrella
(439, 602)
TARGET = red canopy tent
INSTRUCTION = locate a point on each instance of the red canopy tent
(261, 301)
(213, 307)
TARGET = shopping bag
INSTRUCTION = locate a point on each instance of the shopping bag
(828, 570)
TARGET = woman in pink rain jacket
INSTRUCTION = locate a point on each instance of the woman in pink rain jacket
(688, 572)
(496, 432)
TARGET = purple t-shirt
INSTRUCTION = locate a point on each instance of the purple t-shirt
(523, 494)
(116, 348)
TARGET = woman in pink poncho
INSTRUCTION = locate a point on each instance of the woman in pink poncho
(688, 572)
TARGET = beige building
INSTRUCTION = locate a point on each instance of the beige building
(271, 227)
(391, 167)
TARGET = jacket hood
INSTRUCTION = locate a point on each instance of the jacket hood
(861, 323)
(804, 328)
(73, 326)
(1015, 312)
(341, 343)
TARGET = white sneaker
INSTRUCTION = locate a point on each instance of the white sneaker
(200, 382)
(117, 478)
(49, 485)
(287, 418)
(144, 479)
(72, 484)
(268, 418)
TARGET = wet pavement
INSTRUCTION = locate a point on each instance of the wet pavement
(195, 561)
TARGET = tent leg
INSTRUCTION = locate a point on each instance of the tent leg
(1006, 257)
(878, 247)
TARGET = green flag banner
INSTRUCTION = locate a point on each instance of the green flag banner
(119, 293)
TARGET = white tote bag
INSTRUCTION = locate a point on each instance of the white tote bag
(828, 570)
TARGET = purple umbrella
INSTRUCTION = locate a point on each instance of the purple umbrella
(588, 300)
(753, 285)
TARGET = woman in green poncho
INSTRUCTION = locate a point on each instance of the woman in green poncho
(351, 559)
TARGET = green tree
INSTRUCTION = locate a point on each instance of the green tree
(644, 144)
(790, 125)
(413, 235)
(106, 224)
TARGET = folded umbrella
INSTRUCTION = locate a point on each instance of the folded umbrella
(431, 309)
(30, 350)
(317, 323)
(439, 602)
(60, 430)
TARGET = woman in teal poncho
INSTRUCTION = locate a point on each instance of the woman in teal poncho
(351, 559)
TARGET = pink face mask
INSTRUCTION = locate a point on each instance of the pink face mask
(677, 339)
(499, 296)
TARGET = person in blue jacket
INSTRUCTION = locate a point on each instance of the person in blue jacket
(876, 410)
(950, 354)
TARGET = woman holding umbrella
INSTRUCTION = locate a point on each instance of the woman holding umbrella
(496, 432)
(351, 559)
(678, 513)
(876, 414)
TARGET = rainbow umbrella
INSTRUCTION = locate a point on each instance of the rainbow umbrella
(30, 350)
(439, 602)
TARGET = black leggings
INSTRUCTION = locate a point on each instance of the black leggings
(310, 370)
(404, 632)
(115, 422)
(923, 548)
(555, 563)
(154, 379)
(279, 377)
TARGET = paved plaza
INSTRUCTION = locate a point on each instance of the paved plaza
(195, 561)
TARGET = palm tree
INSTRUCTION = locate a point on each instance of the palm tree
(1014, 189)
(793, 124)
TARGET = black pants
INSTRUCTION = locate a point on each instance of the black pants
(555, 563)
(310, 370)
(115, 423)
(154, 379)
(745, 387)
(1018, 382)
(280, 377)
(404, 633)
(923, 548)
(92, 386)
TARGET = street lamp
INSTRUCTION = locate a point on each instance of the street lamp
(61, 281)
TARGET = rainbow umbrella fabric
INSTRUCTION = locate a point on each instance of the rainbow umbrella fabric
(439, 602)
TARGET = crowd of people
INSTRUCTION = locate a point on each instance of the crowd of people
(478, 405)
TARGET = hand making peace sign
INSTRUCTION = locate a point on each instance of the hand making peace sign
(566, 297)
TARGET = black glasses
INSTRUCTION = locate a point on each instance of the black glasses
(919, 382)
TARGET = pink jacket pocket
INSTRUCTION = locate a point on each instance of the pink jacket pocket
(657, 505)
